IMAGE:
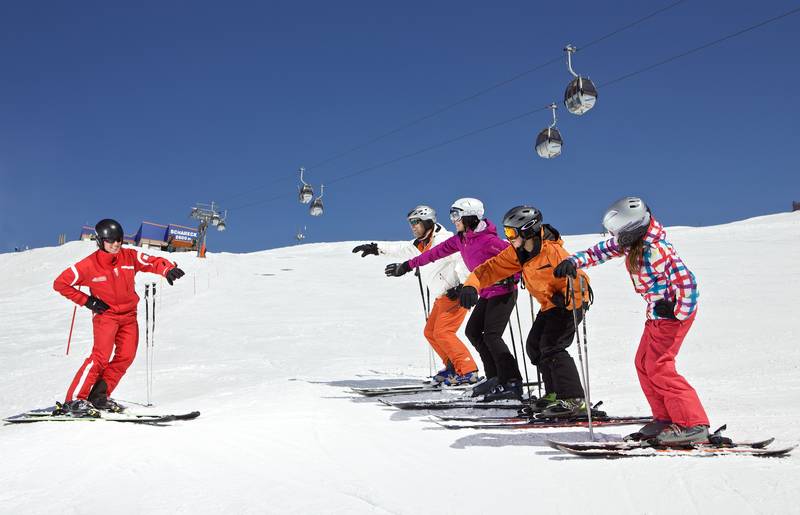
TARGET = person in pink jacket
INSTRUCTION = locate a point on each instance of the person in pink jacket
(477, 241)
(109, 275)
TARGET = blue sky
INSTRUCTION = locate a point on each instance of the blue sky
(136, 112)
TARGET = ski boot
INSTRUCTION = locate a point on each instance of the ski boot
(648, 431)
(677, 435)
(511, 390)
(442, 375)
(458, 379)
(565, 408)
(98, 396)
(79, 408)
(484, 387)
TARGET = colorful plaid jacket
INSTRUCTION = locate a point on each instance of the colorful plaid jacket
(663, 275)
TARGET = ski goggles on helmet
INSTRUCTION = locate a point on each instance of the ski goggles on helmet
(512, 233)
(456, 214)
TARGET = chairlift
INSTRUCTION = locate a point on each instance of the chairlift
(316, 208)
(549, 142)
(306, 191)
(580, 95)
(300, 236)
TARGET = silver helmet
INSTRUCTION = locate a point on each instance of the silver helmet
(422, 212)
(627, 220)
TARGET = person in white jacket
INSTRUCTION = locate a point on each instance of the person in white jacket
(443, 279)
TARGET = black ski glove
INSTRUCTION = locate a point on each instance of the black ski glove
(96, 305)
(665, 309)
(367, 249)
(468, 297)
(174, 274)
(558, 300)
(397, 269)
(454, 292)
(566, 268)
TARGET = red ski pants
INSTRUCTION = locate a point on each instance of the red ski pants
(670, 396)
(444, 320)
(117, 333)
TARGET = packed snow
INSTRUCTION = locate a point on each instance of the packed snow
(266, 344)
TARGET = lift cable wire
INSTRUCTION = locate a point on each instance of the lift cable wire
(465, 100)
(528, 113)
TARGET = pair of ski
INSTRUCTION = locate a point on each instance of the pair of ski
(640, 449)
(599, 419)
(46, 415)
(407, 390)
(716, 445)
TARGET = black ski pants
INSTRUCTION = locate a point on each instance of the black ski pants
(551, 334)
(485, 329)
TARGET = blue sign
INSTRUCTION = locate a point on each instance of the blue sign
(181, 233)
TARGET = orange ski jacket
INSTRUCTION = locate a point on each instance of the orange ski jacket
(537, 273)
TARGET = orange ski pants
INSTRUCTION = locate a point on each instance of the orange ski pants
(444, 320)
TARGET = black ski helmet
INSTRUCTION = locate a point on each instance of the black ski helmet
(108, 230)
(527, 220)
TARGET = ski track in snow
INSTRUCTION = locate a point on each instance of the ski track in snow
(269, 360)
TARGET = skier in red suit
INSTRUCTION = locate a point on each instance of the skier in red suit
(109, 273)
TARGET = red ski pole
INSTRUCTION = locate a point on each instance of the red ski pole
(71, 325)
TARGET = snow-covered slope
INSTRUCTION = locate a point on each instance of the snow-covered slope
(264, 345)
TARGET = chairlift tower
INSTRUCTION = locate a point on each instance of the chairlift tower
(207, 214)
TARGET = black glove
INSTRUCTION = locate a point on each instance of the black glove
(397, 269)
(174, 274)
(454, 292)
(558, 300)
(96, 305)
(468, 297)
(665, 309)
(366, 249)
(566, 268)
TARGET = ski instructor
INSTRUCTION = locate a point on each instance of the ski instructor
(109, 273)
(444, 282)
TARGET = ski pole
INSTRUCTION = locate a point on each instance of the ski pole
(571, 291)
(585, 343)
(152, 340)
(425, 312)
(147, 339)
(72, 324)
(538, 372)
(522, 349)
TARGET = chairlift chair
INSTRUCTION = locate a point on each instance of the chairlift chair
(581, 94)
(306, 191)
(316, 208)
(549, 141)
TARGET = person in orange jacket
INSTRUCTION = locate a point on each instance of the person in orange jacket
(109, 273)
(536, 248)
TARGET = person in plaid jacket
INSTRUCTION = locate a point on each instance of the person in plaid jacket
(670, 289)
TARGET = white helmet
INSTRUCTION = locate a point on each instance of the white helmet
(423, 213)
(466, 207)
(627, 220)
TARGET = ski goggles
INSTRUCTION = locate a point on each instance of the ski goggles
(512, 233)
(455, 214)
(415, 221)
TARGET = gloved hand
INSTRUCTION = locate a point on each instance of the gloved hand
(468, 297)
(566, 268)
(454, 292)
(366, 249)
(96, 305)
(665, 309)
(397, 269)
(558, 300)
(174, 274)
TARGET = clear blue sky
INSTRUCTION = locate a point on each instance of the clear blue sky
(138, 111)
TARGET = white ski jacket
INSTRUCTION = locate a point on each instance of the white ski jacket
(438, 276)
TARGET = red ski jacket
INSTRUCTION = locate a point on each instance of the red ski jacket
(109, 278)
